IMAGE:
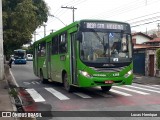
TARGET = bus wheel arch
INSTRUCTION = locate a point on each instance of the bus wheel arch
(66, 83)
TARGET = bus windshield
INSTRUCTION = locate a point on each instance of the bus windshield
(105, 47)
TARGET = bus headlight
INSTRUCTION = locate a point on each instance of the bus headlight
(128, 73)
(84, 73)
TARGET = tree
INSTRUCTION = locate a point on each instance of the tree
(20, 20)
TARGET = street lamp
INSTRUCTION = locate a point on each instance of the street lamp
(58, 19)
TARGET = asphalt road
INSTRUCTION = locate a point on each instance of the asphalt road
(53, 97)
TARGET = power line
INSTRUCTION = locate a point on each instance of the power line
(145, 23)
(121, 9)
(73, 8)
(142, 16)
(147, 19)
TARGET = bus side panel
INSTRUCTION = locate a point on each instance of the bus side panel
(41, 64)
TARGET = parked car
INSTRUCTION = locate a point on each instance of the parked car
(29, 57)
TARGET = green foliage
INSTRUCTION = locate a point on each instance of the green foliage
(20, 19)
(13, 93)
(158, 58)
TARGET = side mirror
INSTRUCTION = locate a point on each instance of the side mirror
(79, 36)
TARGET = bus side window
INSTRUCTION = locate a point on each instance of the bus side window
(43, 49)
(63, 43)
(55, 45)
(39, 49)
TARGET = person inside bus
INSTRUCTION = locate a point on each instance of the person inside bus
(114, 49)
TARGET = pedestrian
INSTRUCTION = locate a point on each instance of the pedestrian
(10, 62)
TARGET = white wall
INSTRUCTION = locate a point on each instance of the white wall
(140, 39)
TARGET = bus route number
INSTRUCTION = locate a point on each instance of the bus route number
(94, 25)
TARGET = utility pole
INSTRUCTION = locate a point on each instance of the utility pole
(52, 30)
(73, 8)
(158, 27)
(34, 36)
(146, 2)
(158, 32)
(44, 25)
(1, 45)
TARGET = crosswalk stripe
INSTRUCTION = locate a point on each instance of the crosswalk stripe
(143, 89)
(136, 91)
(57, 94)
(82, 95)
(119, 92)
(156, 85)
(148, 86)
(35, 95)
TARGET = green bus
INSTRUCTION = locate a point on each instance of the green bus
(86, 53)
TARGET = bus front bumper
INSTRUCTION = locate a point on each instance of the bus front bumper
(103, 81)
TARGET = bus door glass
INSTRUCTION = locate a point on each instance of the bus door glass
(73, 58)
(48, 60)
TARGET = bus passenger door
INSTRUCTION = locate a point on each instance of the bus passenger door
(73, 63)
(48, 61)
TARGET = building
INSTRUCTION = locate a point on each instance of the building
(145, 54)
(140, 38)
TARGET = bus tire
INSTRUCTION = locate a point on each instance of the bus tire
(66, 84)
(106, 88)
(43, 80)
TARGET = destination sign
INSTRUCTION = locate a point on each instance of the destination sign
(101, 25)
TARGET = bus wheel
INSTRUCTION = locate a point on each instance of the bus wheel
(67, 86)
(44, 81)
(106, 88)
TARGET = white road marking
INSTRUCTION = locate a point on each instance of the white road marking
(156, 85)
(33, 82)
(35, 95)
(144, 89)
(119, 92)
(37, 82)
(26, 83)
(57, 94)
(147, 86)
(82, 95)
(13, 78)
(136, 91)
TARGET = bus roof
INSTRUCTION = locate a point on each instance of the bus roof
(74, 24)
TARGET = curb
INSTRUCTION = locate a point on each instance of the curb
(12, 84)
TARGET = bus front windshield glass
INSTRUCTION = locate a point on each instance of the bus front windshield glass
(100, 47)
(19, 55)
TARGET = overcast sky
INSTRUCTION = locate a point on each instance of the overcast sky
(135, 12)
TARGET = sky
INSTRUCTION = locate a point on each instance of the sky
(135, 12)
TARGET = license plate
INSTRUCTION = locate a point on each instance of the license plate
(108, 82)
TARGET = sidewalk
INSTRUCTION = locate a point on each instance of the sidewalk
(146, 80)
(5, 99)
(7, 102)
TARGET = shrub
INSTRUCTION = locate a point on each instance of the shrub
(158, 58)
